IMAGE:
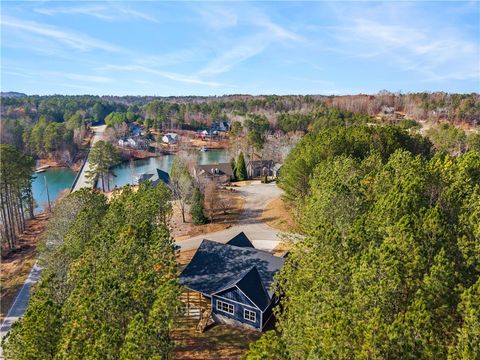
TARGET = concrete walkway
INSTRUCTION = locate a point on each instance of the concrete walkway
(257, 196)
(20, 304)
(82, 180)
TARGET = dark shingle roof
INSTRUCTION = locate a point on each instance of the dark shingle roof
(251, 285)
(162, 176)
(216, 266)
(241, 240)
(144, 177)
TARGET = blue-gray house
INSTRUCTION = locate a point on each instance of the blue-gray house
(236, 278)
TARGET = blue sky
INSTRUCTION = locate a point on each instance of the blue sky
(215, 48)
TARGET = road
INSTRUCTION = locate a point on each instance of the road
(257, 196)
(20, 304)
(82, 180)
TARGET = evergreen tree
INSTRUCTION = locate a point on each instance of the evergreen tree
(16, 199)
(197, 209)
(113, 278)
(241, 168)
(102, 157)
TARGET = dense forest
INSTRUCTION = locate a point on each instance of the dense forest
(16, 198)
(389, 265)
(108, 288)
(56, 126)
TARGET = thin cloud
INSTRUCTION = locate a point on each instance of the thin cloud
(83, 77)
(226, 61)
(73, 40)
(116, 12)
(277, 31)
(164, 74)
(251, 46)
(218, 17)
(413, 49)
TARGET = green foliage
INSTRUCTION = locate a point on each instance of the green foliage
(388, 268)
(268, 347)
(448, 138)
(257, 126)
(236, 129)
(196, 209)
(355, 141)
(241, 168)
(112, 280)
(103, 156)
(16, 199)
(182, 184)
(409, 124)
(116, 118)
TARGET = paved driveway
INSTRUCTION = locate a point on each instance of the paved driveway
(257, 196)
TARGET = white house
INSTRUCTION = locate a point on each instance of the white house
(170, 138)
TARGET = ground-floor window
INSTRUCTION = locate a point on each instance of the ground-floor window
(250, 315)
(225, 307)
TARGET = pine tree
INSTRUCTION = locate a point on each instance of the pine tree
(197, 209)
(241, 168)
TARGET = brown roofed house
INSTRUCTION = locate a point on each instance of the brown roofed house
(221, 172)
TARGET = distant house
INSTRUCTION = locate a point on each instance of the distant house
(222, 126)
(170, 138)
(257, 168)
(130, 142)
(234, 282)
(202, 134)
(221, 172)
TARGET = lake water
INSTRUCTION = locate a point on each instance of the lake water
(128, 172)
(58, 179)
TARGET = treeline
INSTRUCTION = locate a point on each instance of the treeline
(16, 198)
(108, 288)
(437, 106)
(389, 266)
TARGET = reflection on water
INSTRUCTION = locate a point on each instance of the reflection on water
(128, 172)
(58, 179)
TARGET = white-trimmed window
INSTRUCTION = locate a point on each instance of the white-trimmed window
(250, 315)
(225, 307)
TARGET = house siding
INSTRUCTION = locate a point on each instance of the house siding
(237, 317)
(235, 294)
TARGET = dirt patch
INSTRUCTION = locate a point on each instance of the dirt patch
(217, 342)
(16, 265)
(222, 219)
(278, 217)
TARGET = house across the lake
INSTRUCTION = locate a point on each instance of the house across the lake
(170, 138)
(221, 172)
(234, 280)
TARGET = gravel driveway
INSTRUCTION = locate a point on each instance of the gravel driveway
(257, 196)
